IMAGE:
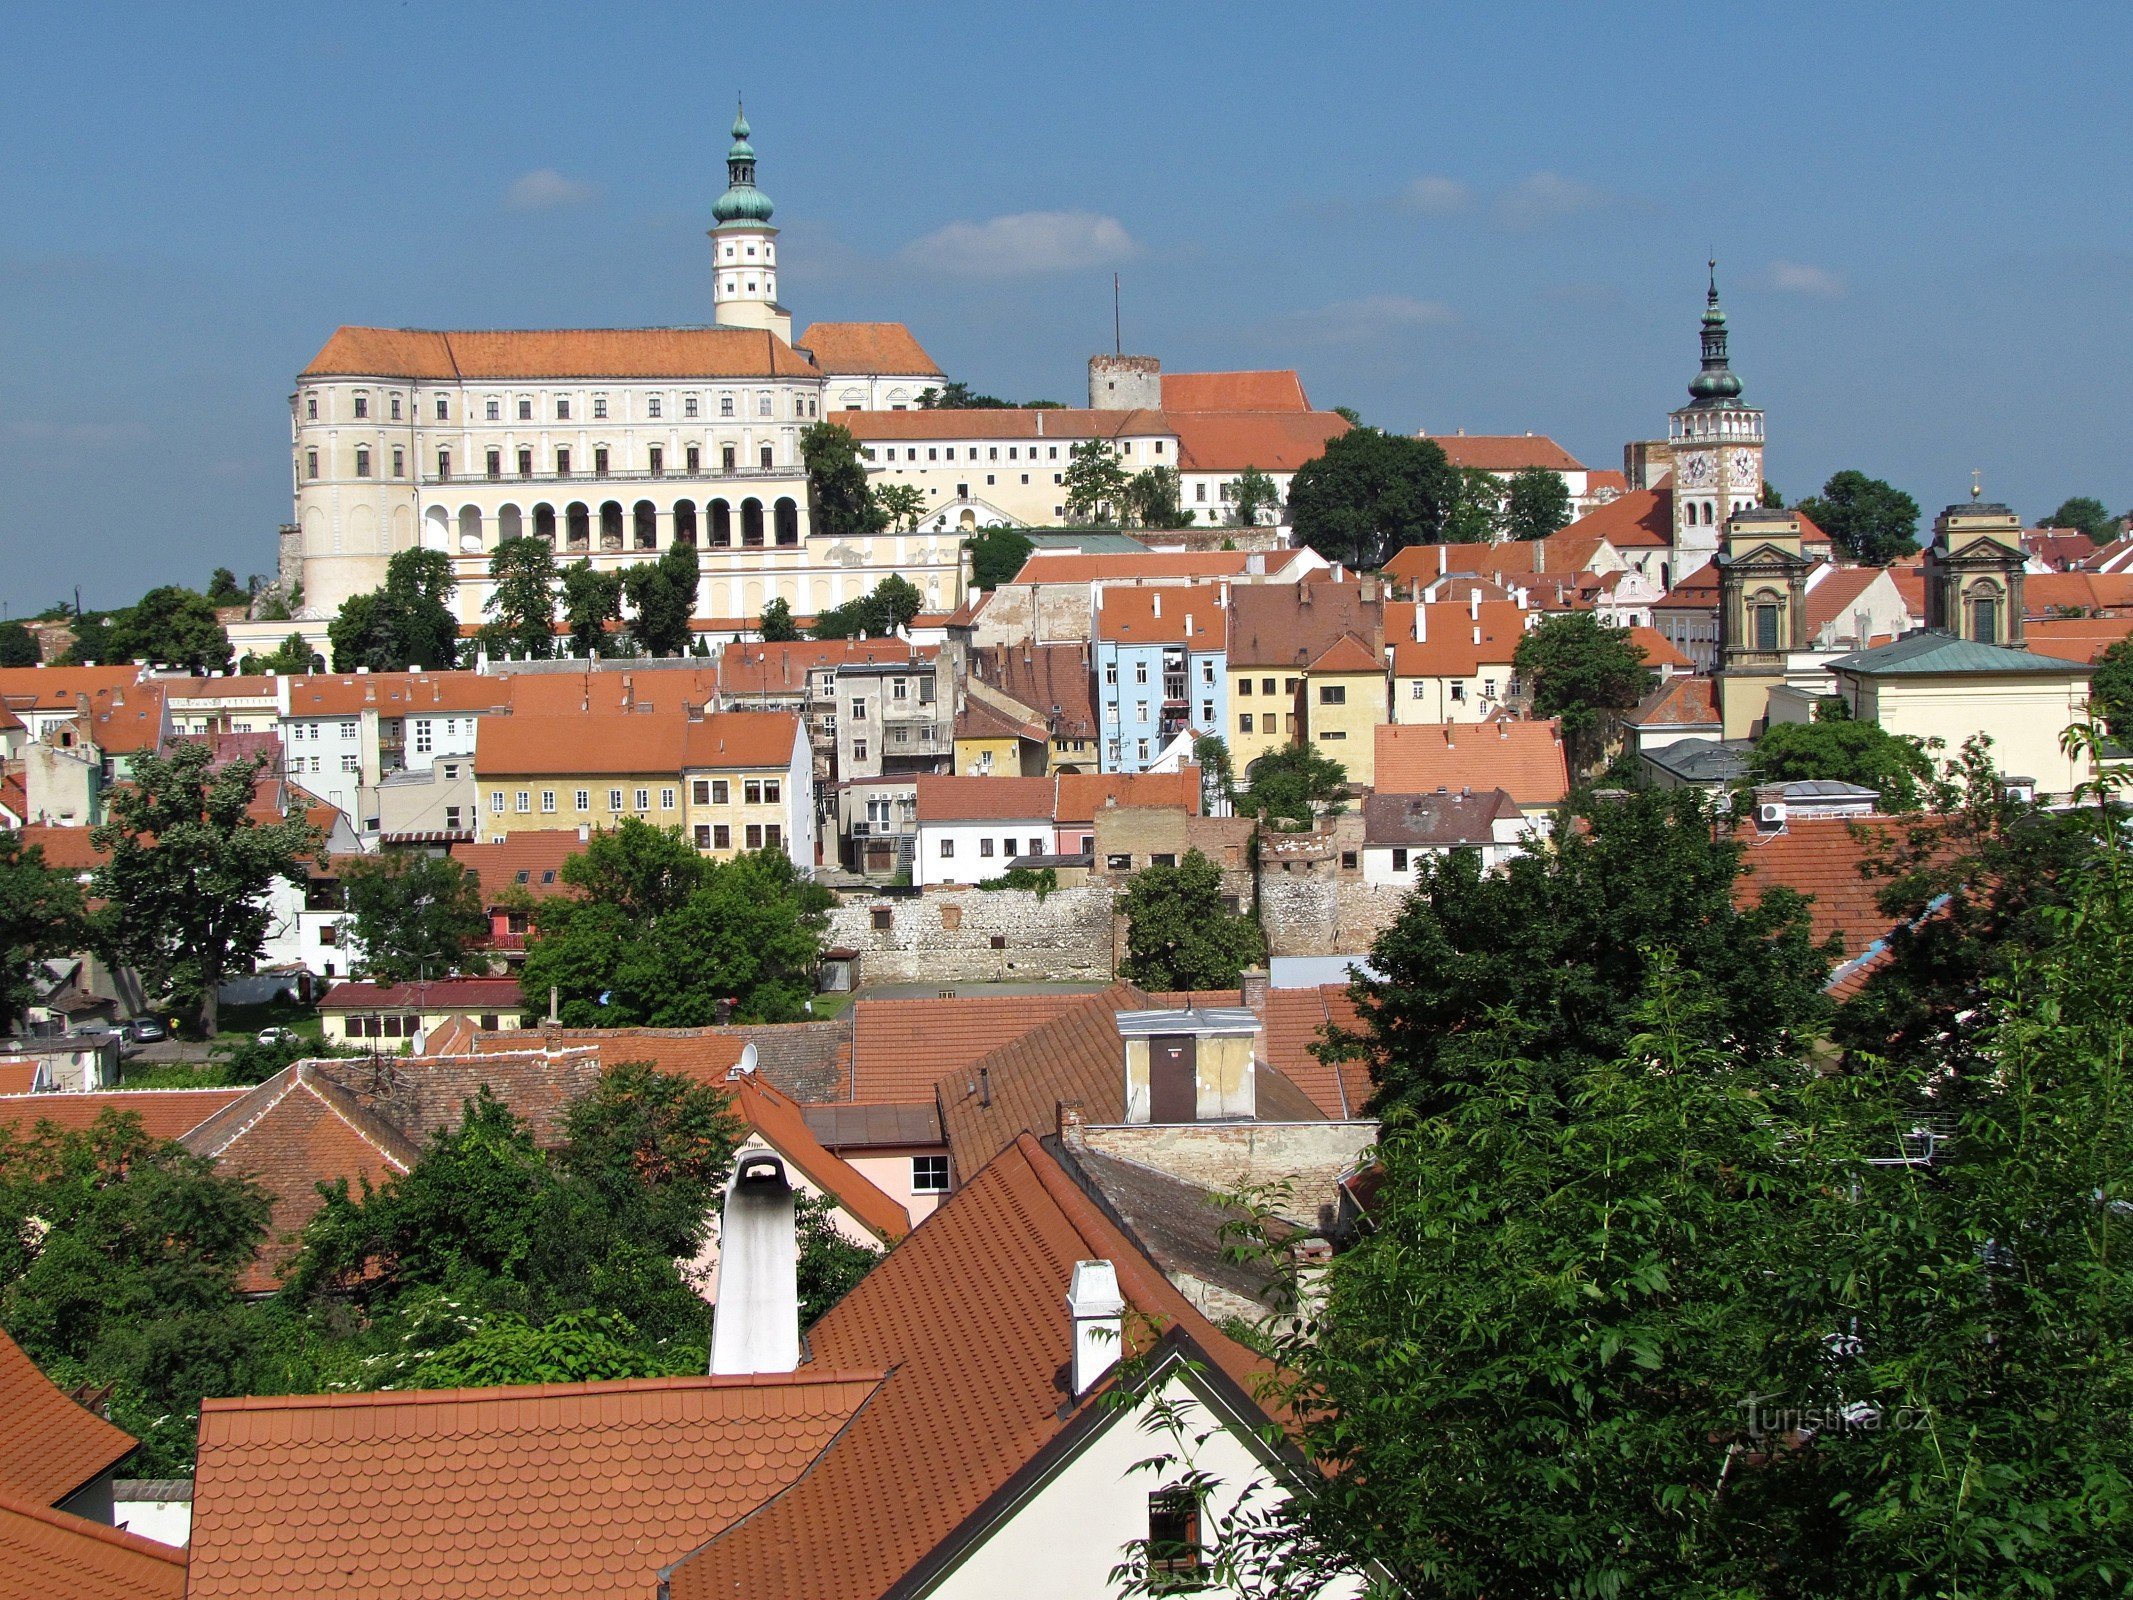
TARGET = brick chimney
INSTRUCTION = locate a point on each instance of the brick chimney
(1252, 986)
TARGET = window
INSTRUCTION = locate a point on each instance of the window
(666, 799)
(362, 406)
(700, 791)
(695, 459)
(658, 460)
(524, 803)
(614, 799)
(726, 457)
(752, 791)
(703, 836)
(362, 460)
(352, 763)
(766, 457)
(583, 798)
(899, 688)
(725, 405)
(525, 463)
(1488, 688)
(495, 465)
(311, 408)
(348, 730)
(311, 464)
(1174, 1538)
(720, 791)
(1332, 694)
(1244, 723)
(422, 736)
(774, 835)
(1399, 861)
(562, 410)
(1985, 619)
(985, 847)
(492, 410)
(444, 465)
(1332, 733)
(396, 408)
(399, 462)
(600, 408)
(1458, 692)
(562, 463)
(600, 461)
(1766, 627)
(547, 802)
(755, 836)
(929, 1174)
(1118, 863)
(882, 919)
(1140, 672)
(688, 406)
(1347, 861)
(859, 749)
(1143, 747)
(721, 836)
(525, 411)
(1289, 685)
(859, 710)
(947, 849)
(1111, 674)
(644, 799)
(1266, 685)
(444, 409)
(762, 405)
(496, 803)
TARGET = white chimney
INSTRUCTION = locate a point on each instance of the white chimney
(1099, 1324)
(1188, 627)
(1473, 603)
(1421, 622)
(756, 1323)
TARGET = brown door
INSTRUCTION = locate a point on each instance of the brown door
(1173, 1071)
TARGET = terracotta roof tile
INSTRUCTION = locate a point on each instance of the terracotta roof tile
(476, 356)
(900, 1048)
(1062, 425)
(1658, 650)
(1640, 519)
(803, 1059)
(55, 688)
(1041, 677)
(2076, 638)
(1346, 654)
(1277, 625)
(2102, 593)
(949, 799)
(1272, 441)
(751, 667)
(16, 1078)
(868, 349)
(1524, 758)
(164, 1113)
(397, 694)
(1821, 857)
(1177, 566)
(531, 861)
(52, 1555)
(1280, 390)
(67, 848)
(544, 1490)
(1082, 795)
(1159, 615)
(1682, 701)
(1449, 649)
(1505, 452)
(52, 1445)
(653, 743)
(1296, 1020)
(436, 994)
(783, 1123)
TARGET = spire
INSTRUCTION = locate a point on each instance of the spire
(1715, 384)
(742, 201)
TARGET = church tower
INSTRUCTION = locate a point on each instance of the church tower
(744, 250)
(1974, 573)
(1717, 448)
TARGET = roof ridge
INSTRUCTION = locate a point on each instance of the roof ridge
(801, 1377)
(67, 1521)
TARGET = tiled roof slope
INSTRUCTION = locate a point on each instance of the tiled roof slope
(50, 1445)
(52, 1555)
(1059, 424)
(483, 1494)
(164, 1113)
(1820, 857)
(434, 994)
(970, 1313)
(557, 353)
(537, 853)
(1275, 625)
(1041, 677)
(1138, 616)
(1178, 566)
(1525, 758)
(1272, 441)
(867, 349)
(806, 1060)
(949, 799)
(417, 1095)
(1296, 1021)
(900, 1048)
(1505, 452)
(1679, 702)
(1083, 794)
(782, 1122)
(1279, 390)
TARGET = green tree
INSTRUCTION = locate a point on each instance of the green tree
(591, 600)
(1218, 773)
(1477, 515)
(187, 871)
(1180, 935)
(1255, 495)
(1297, 782)
(2086, 515)
(521, 603)
(996, 555)
(663, 594)
(1353, 417)
(839, 502)
(413, 916)
(119, 1265)
(1771, 500)
(899, 505)
(406, 623)
(40, 919)
(893, 604)
(830, 1264)
(223, 589)
(93, 641)
(776, 625)
(1536, 504)
(2111, 688)
(1868, 520)
(1543, 957)
(170, 627)
(1152, 499)
(1095, 484)
(1578, 668)
(18, 646)
(293, 655)
(573, 1347)
(1837, 747)
(1370, 494)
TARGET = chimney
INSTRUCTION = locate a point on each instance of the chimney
(1303, 594)
(1444, 559)
(1071, 1121)
(1252, 986)
(1473, 604)
(1155, 598)
(1421, 622)
(1094, 1303)
(1188, 627)
(756, 1322)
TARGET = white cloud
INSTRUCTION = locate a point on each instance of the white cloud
(1024, 243)
(1795, 277)
(1545, 198)
(1436, 197)
(545, 189)
(1370, 319)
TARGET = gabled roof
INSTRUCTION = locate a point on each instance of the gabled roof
(1141, 616)
(531, 861)
(867, 349)
(1291, 625)
(1272, 441)
(1346, 654)
(434, 994)
(948, 799)
(2104, 592)
(164, 1113)
(1524, 758)
(55, 688)
(625, 743)
(753, 667)
(1512, 562)
(1831, 592)
(1043, 676)
(1640, 519)
(1082, 795)
(1504, 452)
(980, 719)
(1296, 1022)
(1930, 651)
(1073, 566)
(52, 1445)
(783, 1125)
(1449, 649)
(1658, 650)
(1821, 857)
(2075, 638)
(54, 1555)
(1437, 821)
(481, 1494)
(901, 1047)
(401, 694)
(969, 1314)
(1683, 702)
(1053, 424)
(804, 1059)
(1280, 390)
(481, 356)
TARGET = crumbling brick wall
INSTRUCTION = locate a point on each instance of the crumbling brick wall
(979, 936)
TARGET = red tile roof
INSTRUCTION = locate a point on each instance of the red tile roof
(1820, 857)
(164, 1113)
(1505, 452)
(399, 694)
(1041, 677)
(2100, 593)
(1346, 654)
(1159, 616)
(1449, 649)
(867, 349)
(1658, 650)
(1272, 441)
(2076, 638)
(532, 861)
(682, 353)
(1640, 519)
(1683, 701)
(1280, 390)
(52, 1445)
(1523, 758)
(52, 1555)
(1515, 561)
(1296, 1020)
(66, 848)
(750, 667)
(1291, 625)
(781, 1122)
(1061, 566)
(901, 1048)
(436, 994)
(1083, 794)
(17, 1078)
(623, 744)
(543, 1490)
(55, 688)
(946, 799)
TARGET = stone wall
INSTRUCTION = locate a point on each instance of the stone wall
(979, 936)
(1312, 1157)
(1325, 915)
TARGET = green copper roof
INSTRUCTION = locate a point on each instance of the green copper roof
(1716, 384)
(742, 201)
(1932, 651)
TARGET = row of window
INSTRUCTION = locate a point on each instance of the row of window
(1140, 675)
(759, 836)
(803, 406)
(1007, 850)
(711, 792)
(656, 461)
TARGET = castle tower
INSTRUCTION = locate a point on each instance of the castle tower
(744, 250)
(1974, 573)
(1762, 613)
(1717, 447)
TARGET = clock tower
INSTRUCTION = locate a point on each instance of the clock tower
(1717, 447)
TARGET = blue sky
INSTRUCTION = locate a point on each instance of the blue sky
(1490, 217)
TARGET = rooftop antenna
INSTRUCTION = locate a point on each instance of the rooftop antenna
(1118, 340)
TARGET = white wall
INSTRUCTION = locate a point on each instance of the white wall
(969, 863)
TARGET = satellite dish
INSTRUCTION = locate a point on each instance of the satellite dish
(745, 1067)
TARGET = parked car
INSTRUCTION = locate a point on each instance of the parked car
(146, 1030)
(277, 1036)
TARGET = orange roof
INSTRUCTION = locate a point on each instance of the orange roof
(55, 688)
(67, 848)
(432, 994)
(1083, 794)
(2091, 591)
(619, 743)
(749, 666)
(1052, 566)
(1056, 424)
(1601, 479)
(475, 357)
(1505, 452)
(1139, 616)
(1290, 625)
(901, 1048)
(779, 1119)
(1640, 519)
(1280, 390)
(946, 799)
(1820, 857)
(17, 1077)
(2075, 638)
(1658, 650)
(970, 1313)
(1346, 654)
(1513, 561)
(54, 1555)
(532, 861)
(1041, 677)
(1525, 759)
(1831, 595)
(1449, 649)
(52, 1445)
(561, 1489)
(1272, 441)
(235, 686)
(1296, 1020)
(1679, 702)
(867, 349)
(164, 1113)
(400, 694)
(603, 693)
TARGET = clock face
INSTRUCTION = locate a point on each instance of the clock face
(1698, 471)
(1746, 470)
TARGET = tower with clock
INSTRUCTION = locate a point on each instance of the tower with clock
(1717, 446)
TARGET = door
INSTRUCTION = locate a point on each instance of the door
(1173, 1072)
